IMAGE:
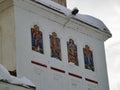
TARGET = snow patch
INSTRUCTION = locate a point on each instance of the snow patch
(5, 76)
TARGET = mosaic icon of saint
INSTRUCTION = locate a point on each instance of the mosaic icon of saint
(88, 58)
(72, 52)
(55, 46)
(37, 39)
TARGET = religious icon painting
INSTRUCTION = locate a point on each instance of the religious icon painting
(88, 58)
(37, 39)
(72, 52)
(55, 46)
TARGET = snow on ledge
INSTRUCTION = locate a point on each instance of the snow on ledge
(84, 18)
(5, 76)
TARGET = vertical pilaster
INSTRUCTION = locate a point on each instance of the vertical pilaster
(7, 35)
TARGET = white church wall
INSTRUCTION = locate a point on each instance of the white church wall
(51, 73)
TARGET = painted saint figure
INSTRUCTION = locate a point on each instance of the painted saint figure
(37, 39)
(72, 52)
(55, 46)
(88, 58)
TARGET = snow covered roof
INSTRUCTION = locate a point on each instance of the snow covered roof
(87, 19)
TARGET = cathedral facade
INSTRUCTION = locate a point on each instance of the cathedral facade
(56, 50)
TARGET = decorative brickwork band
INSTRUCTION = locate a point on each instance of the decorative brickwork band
(74, 75)
(89, 80)
(56, 69)
(39, 64)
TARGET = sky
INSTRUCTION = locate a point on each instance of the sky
(109, 12)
